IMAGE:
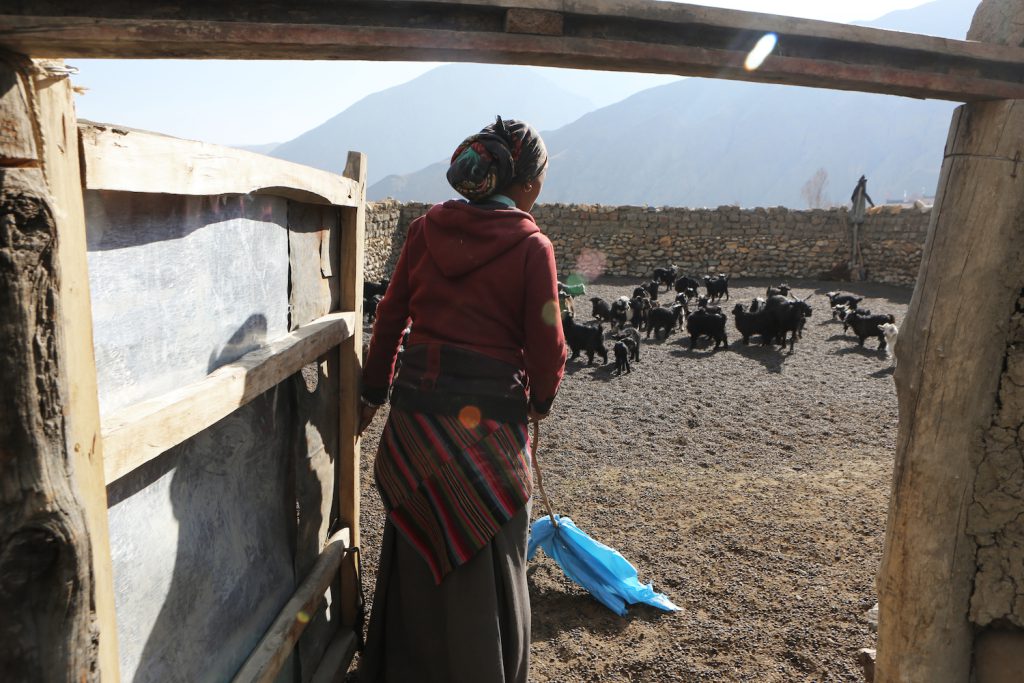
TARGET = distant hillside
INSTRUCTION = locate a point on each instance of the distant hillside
(403, 128)
(266, 148)
(700, 142)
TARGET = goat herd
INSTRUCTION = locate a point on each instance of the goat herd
(776, 318)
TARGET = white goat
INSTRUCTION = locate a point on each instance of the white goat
(891, 332)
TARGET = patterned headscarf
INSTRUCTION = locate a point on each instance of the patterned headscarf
(500, 154)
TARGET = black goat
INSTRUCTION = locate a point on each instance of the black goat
(641, 311)
(781, 290)
(701, 323)
(370, 307)
(653, 287)
(717, 286)
(865, 326)
(371, 288)
(602, 310)
(759, 322)
(663, 318)
(641, 290)
(790, 315)
(584, 338)
(702, 303)
(631, 338)
(666, 276)
(848, 301)
(620, 312)
(845, 314)
(621, 357)
(687, 286)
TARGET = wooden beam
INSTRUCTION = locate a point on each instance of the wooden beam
(47, 619)
(141, 432)
(334, 665)
(972, 273)
(118, 158)
(270, 654)
(84, 445)
(625, 35)
(353, 237)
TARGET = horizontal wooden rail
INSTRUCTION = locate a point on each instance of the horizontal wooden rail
(139, 433)
(118, 158)
(266, 660)
(624, 35)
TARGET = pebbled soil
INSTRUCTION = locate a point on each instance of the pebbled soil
(749, 485)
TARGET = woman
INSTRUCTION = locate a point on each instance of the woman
(486, 354)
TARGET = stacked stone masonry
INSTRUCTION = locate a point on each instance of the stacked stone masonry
(632, 240)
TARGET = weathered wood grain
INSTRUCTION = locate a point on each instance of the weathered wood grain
(275, 646)
(353, 237)
(139, 433)
(47, 625)
(634, 35)
(951, 350)
(85, 447)
(117, 158)
(313, 237)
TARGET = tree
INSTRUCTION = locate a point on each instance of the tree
(813, 190)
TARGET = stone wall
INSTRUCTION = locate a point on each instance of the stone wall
(386, 228)
(632, 241)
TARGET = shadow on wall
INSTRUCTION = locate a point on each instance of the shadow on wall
(251, 335)
(205, 537)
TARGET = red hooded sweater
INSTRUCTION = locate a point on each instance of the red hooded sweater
(481, 280)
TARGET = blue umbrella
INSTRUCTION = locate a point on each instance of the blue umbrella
(601, 570)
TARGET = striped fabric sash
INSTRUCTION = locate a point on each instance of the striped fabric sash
(450, 484)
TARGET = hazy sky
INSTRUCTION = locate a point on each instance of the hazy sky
(231, 102)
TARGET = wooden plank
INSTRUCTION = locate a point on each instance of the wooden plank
(81, 408)
(351, 366)
(313, 232)
(313, 235)
(335, 663)
(273, 649)
(973, 253)
(628, 35)
(314, 459)
(118, 158)
(46, 582)
(18, 142)
(139, 433)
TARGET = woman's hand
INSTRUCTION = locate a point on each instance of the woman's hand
(534, 416)
(366, 414)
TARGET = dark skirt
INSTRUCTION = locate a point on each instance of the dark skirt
(473, 627)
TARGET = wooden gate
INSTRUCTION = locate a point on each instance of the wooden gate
(208, 387)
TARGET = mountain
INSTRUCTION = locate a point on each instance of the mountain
(266, 148)
(706, 142)
(403, 128)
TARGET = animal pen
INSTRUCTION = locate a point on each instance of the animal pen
(134, 414)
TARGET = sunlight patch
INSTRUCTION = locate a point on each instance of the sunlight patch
(761, 51)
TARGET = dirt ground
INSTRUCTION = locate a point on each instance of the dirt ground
(749, 485)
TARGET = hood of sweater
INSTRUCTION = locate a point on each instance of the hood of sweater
(461, 237)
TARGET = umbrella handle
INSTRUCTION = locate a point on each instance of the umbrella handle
(536, 468)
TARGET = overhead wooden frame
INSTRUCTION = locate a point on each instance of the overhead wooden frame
(622, 35)
(127, 160)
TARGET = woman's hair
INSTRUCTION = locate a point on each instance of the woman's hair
(505, 152)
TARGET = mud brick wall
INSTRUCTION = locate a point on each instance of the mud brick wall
(994, 518)
(632, 240)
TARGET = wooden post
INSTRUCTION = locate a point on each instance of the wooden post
(59, 125)
(352, 239)
(48, 626)
(951, 351)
